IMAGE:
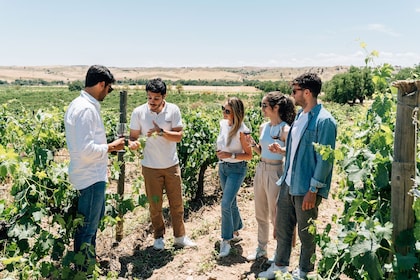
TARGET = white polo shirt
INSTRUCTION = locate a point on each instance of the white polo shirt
(86, 142)
(158, 153)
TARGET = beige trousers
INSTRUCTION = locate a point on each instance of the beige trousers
(156, 181)
(265, 197)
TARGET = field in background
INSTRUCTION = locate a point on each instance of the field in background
(71, 73)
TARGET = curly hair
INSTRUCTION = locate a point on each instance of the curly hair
(156, 86)
(287, 109)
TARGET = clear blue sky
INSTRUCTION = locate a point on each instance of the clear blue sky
(193, 33)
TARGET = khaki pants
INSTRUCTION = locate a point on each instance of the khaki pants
(169, 179)
(265, 198)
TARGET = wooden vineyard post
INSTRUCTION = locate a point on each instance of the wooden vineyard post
(122, 132)
(404, 164)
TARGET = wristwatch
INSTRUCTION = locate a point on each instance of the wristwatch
(233, 156)
(313, 189)
(160, 132)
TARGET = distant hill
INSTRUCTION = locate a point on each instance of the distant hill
(78, 72)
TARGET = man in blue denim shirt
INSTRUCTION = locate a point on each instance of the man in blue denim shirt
(306, 178)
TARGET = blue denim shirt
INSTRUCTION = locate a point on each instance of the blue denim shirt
(308, 167)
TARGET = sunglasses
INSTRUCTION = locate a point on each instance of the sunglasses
(226, 111)
(110, 89)
(297, 89)
(263, 105)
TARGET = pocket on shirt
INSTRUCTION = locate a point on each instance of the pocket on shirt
(309, 137)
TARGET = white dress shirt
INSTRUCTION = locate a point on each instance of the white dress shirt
(86, 142)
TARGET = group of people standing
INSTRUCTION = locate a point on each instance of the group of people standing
(291, 178)
(290, 181)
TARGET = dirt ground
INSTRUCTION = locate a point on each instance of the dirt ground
(134, 257)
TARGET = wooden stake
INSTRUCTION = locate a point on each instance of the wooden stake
(404, 164)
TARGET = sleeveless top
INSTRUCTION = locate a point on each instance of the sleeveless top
(265, 140)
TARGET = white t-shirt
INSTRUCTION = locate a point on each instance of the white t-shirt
(86, 142)
(235, 145)
(158, 153)
(295, 134)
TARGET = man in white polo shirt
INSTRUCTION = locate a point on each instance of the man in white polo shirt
(161, 122)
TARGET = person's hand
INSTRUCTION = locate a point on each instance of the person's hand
(133, 145)
(118, 144)
(250, 141)
(223, 154)
(309, 201)
(154, 130)
(276, 148)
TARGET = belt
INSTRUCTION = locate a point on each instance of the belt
(272, 161)
(227, 162)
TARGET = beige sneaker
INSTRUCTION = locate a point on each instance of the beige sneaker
(259, 252)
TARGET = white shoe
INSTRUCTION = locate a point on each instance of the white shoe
(298, 274)
(184, 241)
(159, 244)
(259, 252)
(224, 248)
(270, 273)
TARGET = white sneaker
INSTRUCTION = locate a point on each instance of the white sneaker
(270, 273)
(184, 241)
(298, 274)
(224, 248)
(259, 252)
(159, 244)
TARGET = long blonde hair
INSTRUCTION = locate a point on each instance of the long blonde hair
(238, 112)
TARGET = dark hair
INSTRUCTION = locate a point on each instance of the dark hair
(97, 74)
(156, 86)
(287, 109)
(309, 81)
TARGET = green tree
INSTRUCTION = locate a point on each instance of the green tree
(408, 73)
(75, 85)
(356, 84)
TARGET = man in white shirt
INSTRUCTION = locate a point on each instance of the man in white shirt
(88, 148)
(161, 122)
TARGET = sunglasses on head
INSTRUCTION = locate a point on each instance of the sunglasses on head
(263, 105)
(226, 111)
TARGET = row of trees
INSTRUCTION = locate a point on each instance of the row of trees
(357, 84)
(34, 82)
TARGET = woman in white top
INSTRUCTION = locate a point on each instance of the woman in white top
(233, 151)
(281, 112)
